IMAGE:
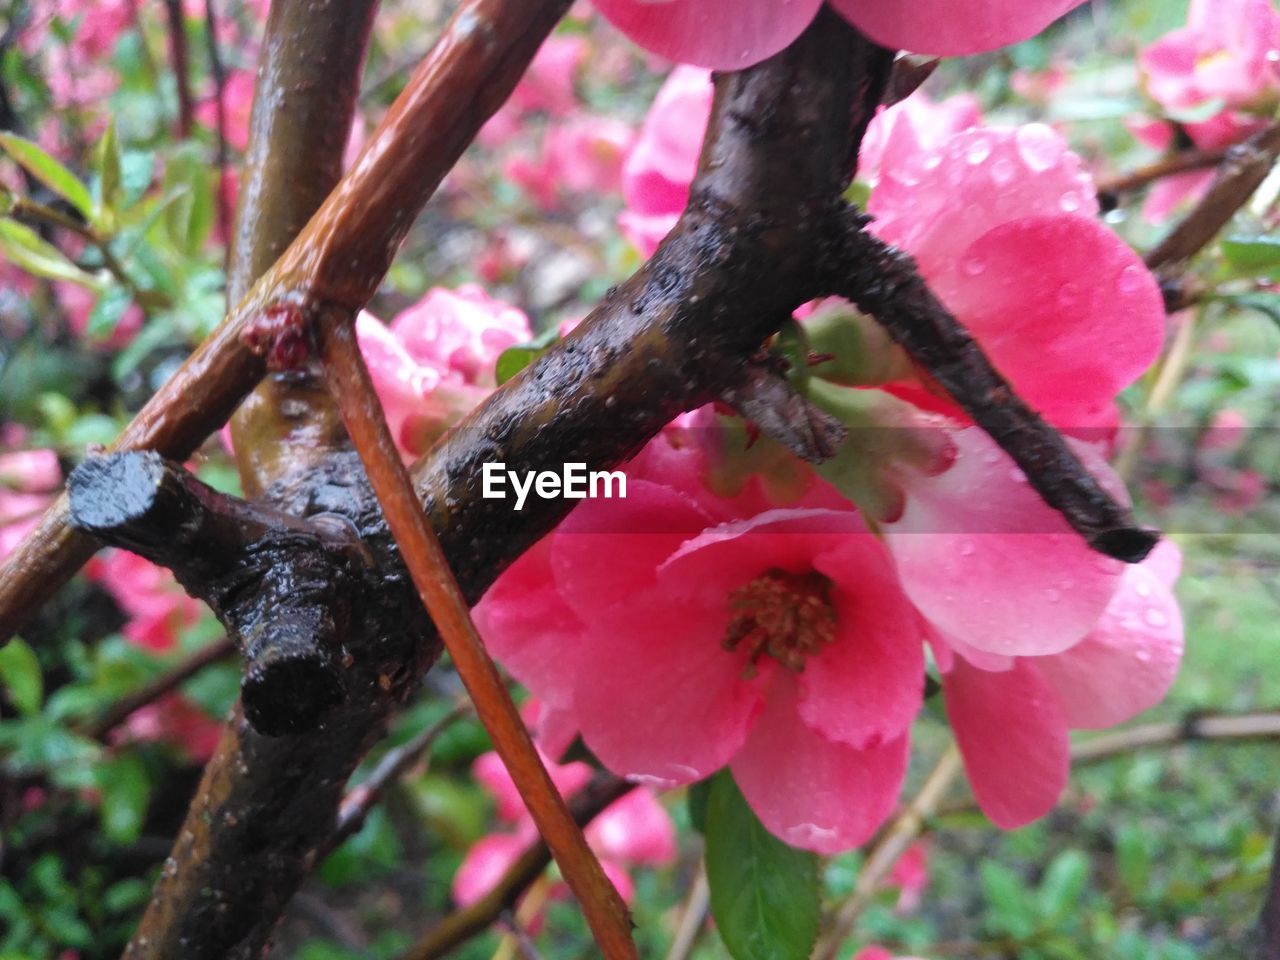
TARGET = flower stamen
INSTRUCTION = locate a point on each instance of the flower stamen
(787, 616)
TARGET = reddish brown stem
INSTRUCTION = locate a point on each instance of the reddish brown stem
(1184, 161)
(361, 412)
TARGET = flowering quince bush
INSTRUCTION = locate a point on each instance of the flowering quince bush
(782, 665)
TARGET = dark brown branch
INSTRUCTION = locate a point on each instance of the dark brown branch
(153, 690)
(278, 584)
(884, 283)
(1241, 173)
(178, 63)
(361, 799)
(459, 927)
(1184, 161)
(219, 74)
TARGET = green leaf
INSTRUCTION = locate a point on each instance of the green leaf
(765, 895)
(1133, 860)
(514, 359)
(1251, 256)
(125, 791)
(27, 249)
(1012, 910)
(1063, 884)
(48, 171)
(697, 800)
(106, 313)
(21, 676)
(190, 217)
(107, 164)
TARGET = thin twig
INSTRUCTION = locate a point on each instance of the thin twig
(1184, 161)
(353, 391)
(902, 831)
(1243, 170)
(157, 687)
(693, 916)
(884, 283)
(463, 924)
(219, 74)
(361, 799)
(1208, 726)
(178, 61)
(35, 213)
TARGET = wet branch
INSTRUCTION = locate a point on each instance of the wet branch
(1184, 161)
(1242, 171)
(884, 283)
(341, 256)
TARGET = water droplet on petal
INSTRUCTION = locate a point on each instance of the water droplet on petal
(1003, 171)
(1131, 281)
(973, 267)
(966, 548)
(978, 151)
(1069, 202)
(1052, 594)
(1039, 147)
(1155, 618)
(1143, 656)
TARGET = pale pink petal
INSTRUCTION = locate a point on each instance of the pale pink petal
(1013, 736)
(1127, 662)
(720, 34)
(484, 865)
(949, 29)
(812, 792)
(636, 829)
(989, 564)
(491, 772)
(936, 204)
(865, 687)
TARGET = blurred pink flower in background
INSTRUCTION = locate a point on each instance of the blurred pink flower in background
(732, 34)
(1219, 78)
(157, 608)
(633, 831)
(29, 480)
(548, 86)
(77, 303)
(173, 719)
(435, 361)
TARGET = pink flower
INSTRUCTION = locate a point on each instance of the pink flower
(548, 86)
(1011, 716)
(78, 303)
(911, 127)
(157, 608)
(237, 104)
(1002, 224)
(1226, 433)
(732, 34)
(633, 831)
(28, 481)
(174, 719)
(1228, 53)
(658, 170)
(911, 876)
(777, 642)
(436, 360)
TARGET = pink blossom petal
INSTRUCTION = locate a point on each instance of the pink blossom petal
(1067, 344)
(1013, 736)
(529, 628)
(988, 563)
(865, 687)
(1127, 662)
(936, 203)
(636, 829)
(810, 791)
(635, 535)
(484, 865)
(665, 704)
(949, 29)
(720, 34)
(491, 773)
